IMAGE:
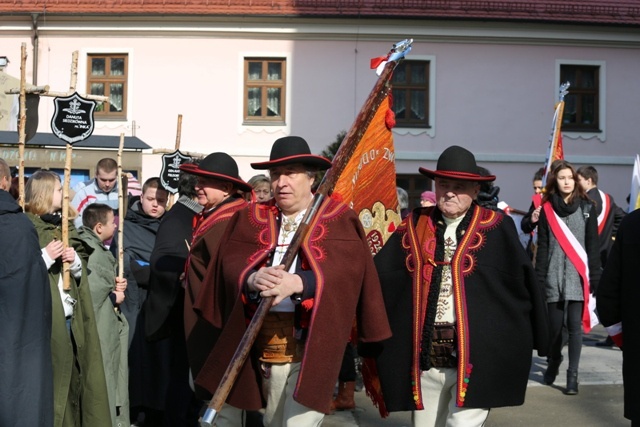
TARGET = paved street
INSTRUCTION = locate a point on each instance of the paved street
(599, 402)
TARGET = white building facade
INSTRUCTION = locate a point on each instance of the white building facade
(241, 80)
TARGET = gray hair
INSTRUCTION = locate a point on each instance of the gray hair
(403, 198)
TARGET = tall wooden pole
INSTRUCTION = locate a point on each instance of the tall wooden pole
(178, 136)
(22, 132)
(65, 215)
(67, 180)
(120, 211)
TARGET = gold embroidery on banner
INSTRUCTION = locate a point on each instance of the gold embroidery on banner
(379, 224)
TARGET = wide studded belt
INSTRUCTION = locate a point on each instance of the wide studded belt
(443, 346)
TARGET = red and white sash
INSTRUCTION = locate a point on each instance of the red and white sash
(537, 200)
(576, 254)
(606, 209)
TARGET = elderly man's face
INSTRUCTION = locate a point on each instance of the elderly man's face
(454, 197)
(291, 187)
(211, 192)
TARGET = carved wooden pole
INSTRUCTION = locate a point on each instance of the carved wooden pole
(120, 211)
(22, 135)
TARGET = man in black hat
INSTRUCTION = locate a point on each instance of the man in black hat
(331, 282)
(463, 303)
(219, 192)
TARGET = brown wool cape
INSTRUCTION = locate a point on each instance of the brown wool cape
(200, 334)
(347, 287)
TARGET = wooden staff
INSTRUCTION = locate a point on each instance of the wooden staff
(22, 135)
(65, 215)
(340, 161)
(120, 211)
(67, 180)
(178, 135)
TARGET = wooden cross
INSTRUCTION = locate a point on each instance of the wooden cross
(177, 147)
(44, 91)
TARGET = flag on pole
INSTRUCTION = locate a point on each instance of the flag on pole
(634, 195)
(368, 183)
(556, 150)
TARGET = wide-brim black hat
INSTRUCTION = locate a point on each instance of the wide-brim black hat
(219, 166)
(457, 163)
(289, 150)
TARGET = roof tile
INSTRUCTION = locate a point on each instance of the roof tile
(615, 12)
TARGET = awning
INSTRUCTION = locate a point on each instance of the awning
(42, 139)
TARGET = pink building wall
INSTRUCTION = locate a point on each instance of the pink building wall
(494, 96)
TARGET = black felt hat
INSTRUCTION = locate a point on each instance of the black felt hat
(219, 166)
(289, 150)
(457, 163)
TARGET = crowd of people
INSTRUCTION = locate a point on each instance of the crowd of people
(451, 303)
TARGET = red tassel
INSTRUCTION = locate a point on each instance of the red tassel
(307, 304)
(390, 119)
(337, 197)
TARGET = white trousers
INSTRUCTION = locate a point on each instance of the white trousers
(282, 410)
(439, 397)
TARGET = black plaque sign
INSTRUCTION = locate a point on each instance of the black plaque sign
(32, 100)
(73, 118)
(170, 174)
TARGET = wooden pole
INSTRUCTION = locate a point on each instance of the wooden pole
(178, 135)
(179, 132)
(67, 180)
(65, 215)
(120, 211)
(169, 151)
(29, 89)
(22, 135)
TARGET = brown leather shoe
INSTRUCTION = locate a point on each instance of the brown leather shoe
(344, 400)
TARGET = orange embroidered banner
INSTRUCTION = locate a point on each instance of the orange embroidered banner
(368, 182)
